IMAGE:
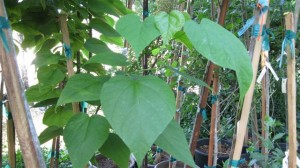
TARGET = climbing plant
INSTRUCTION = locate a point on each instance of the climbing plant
(138, 110)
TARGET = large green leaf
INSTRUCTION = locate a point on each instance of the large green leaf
(181, 37)
(95, 46)
(83, 136)
(109, 58)
(116, 149)
(57, 116)
(222, 48)
(146, 103)
(174, 142)
(103, 28)
(94, 67)
(50, 133)
(50, 75)
(169, 23)
(138, 34)
(113, 7)
(82, 87)
(113, 40)
(48, 58)
(36, 93)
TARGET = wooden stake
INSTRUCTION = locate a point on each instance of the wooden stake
(1, 117)
(213, 119)
(57, 146)
(241, 131)
(11, 138)
(26, 133)
(52, 153)
(204, 90)
(66, 40)
(291, 95)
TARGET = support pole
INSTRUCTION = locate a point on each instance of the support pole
(291, 94)
(11, 137)
(242, 126)
(66, 41)
(26, 133)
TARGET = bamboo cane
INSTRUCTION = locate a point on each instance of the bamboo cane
(249, 95)
(66, 40)
(11, 138)
(52, 159)
(291, 95)
(213, 118)
(57, 146)
(204, 91)
(26, 133)
(1, 117)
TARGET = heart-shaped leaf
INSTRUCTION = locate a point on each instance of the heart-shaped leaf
(36, 93)
(116, 149)
(138, 34)
(83, 136)
(109, 58)
(104, 28)
(169, 23)
(43, 59)
(50, 75)
(50, 133)
(222, 48)
(95, 46)
(174, 142)
(57, 117)
(146, 103)
(82, 87)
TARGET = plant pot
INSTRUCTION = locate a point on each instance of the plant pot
(165, 164)
(202, 157)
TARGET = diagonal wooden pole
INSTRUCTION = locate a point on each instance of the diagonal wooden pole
(242, 126)
(26, 133)
(291, 94)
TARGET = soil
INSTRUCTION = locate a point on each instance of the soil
(104, 162)
(222, 152)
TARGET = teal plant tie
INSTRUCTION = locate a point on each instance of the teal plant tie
(182, 89)
(288, 40)
(263, 5)
(203, 113)
(51, 154)
(68, 51)
(209, 166)
(236, 163)
(159, 150)
(249, 23)
(83, 106)
(255, 30)
(6, 112)
(266, 42)
(7, 166)
(172, 159)
(214, 99)
(4, 24)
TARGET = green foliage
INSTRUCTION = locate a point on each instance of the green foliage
(50, 133)
(134, 102)
(109, 58)
(169, 24)
(206, 40)
(138, 39)
(57, 116)
(82, 87)
(174, 136)
(83, 135)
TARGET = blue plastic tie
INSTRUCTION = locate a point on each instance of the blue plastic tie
(203, 113)
(4, 24)
(7, 166)
(146, 13)
(214, 99)
(205, 166)
(249, 23)
(236, 163)
(6, 112)
(266, 40)
(255, 30)
(68, 51)
(159, 150)
(288, 40)
(182, 89)
(84, 104)
(172, 159)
